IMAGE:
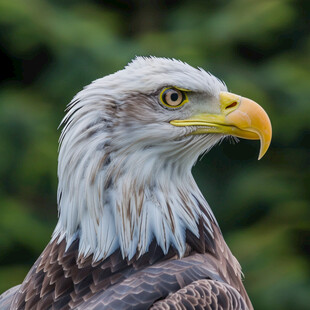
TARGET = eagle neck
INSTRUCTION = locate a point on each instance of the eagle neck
(126, 207)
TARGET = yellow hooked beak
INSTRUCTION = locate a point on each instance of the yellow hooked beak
(240, 117)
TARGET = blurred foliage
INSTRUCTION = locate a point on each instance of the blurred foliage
(261, 49)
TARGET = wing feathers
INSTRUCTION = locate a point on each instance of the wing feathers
(63, 280)
(203, 295)
(7, 297)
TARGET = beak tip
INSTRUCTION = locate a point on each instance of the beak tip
(263, 149)
(262, 152)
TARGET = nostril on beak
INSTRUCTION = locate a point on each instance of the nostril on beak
(233, 104)
(229, 102)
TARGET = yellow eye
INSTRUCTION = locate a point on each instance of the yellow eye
(173, 97)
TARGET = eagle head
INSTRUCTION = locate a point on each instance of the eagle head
(128, 144)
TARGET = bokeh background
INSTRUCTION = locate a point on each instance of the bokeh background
(261, 49)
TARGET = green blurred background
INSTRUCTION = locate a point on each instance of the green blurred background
(261, 49)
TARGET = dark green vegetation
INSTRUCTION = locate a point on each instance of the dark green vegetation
(261, 49)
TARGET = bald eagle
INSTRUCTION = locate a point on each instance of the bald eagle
(134, 231)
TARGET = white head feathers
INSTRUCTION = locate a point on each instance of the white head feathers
(124, 171)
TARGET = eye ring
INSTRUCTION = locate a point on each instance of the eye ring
(173, 97)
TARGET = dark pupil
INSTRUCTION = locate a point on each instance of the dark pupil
(174, 97)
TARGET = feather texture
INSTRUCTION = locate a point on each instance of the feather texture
(61, 279)
(134, 230)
